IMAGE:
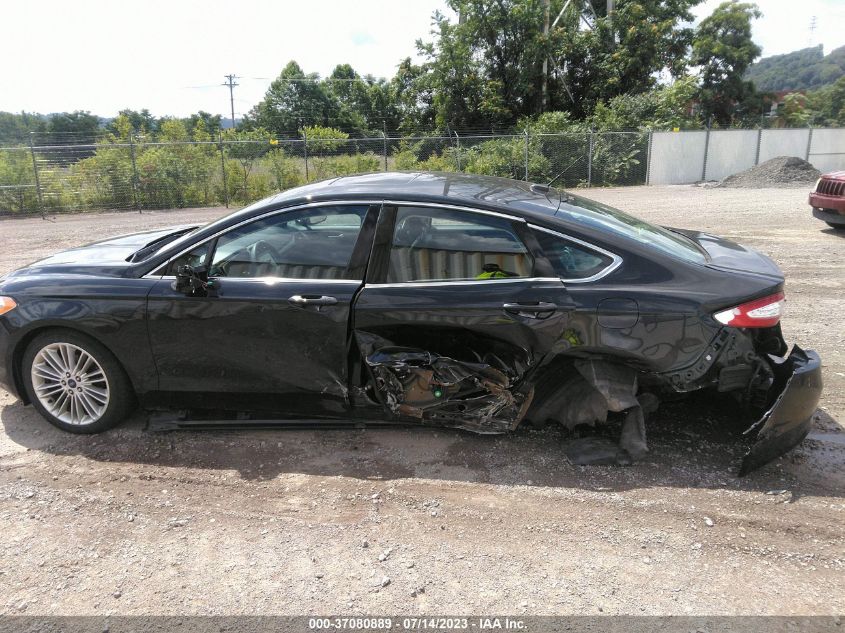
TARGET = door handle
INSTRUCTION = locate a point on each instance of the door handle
(312, 300)
(530, 306)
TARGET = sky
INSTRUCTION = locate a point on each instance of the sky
(171, 56)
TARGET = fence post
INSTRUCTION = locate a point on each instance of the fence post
(305, 150)
(223, 167)
(809, 144)
(759, 142)
(590, 159)
(134, 171)
(37, 179)
(384, 133)
(457, 150)
(526, 154)
(648, 158)
(706, 151)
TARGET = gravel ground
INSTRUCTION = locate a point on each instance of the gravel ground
(407, 521)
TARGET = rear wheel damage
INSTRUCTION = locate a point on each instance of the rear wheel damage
(492, 392)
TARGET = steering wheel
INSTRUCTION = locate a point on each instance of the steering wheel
(263, 253)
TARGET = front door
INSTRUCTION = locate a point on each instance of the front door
(459, 306)
(270, 331)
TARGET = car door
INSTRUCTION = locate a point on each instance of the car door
(459, 305)
(269, 330)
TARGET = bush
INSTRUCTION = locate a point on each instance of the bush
(345, 165)
(286, 172)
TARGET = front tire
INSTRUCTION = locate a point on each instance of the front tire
(836, 227)
(75, 383)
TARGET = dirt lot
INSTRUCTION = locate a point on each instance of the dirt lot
(406, 521)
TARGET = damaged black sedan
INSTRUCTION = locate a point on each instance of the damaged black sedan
(437, 299)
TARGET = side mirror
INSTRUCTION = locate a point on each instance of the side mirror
(191, 281)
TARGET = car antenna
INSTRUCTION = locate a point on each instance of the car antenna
(554, 180)
(545, 188)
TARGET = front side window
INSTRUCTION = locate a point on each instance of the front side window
(307, 244)
(571, 260)
(445, 245)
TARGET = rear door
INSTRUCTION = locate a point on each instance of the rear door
(270, 331)
(458, 307)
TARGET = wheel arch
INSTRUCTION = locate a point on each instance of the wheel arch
(26, 339)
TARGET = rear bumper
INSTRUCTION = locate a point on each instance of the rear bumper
(821, 201)
(798, 383)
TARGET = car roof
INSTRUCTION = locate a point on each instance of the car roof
(473, 190)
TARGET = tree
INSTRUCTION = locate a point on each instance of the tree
(293, 99)
(15, 128)
(488, 67)
(621, 54)
(412, 97)
(827, 105)
(723, 49)
(665, 107)
(204, 125)
(142, 122)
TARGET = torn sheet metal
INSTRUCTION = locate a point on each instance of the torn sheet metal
(424, 385)
(798, 383)
(598, 388)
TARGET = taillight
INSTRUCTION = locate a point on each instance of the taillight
(7, 304)
(764, 312)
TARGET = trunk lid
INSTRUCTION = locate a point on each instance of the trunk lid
(729, 256)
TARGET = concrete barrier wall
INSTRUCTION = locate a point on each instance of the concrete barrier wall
(775, 143)
(827, 150)
(729, 152)
(676, 157)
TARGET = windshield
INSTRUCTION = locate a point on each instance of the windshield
(583, 211)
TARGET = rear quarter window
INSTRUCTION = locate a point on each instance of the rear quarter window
(572, 260)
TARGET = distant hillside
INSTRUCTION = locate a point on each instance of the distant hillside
(806, 69)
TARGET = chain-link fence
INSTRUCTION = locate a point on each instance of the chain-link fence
(45, 176)
(49, 176)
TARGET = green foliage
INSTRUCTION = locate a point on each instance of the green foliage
(488, 67)
(15, 128)
(344, 100)
(622, 54)
(793, 111)
(506, 158)
(285, 171)
(348, 164)
(323, 140)
(724, 49)
(16, 174)
(826, 106)
(666, 107)
(804, 69)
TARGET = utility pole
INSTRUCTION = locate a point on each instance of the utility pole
(545, 94)
(609, 7)
(230, 81)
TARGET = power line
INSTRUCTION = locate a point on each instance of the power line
(230, 81)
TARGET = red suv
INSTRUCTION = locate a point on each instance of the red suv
(828, 199)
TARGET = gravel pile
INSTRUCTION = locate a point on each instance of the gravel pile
(783, 171)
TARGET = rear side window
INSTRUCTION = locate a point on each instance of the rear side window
(572, 260)
(444, 245)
